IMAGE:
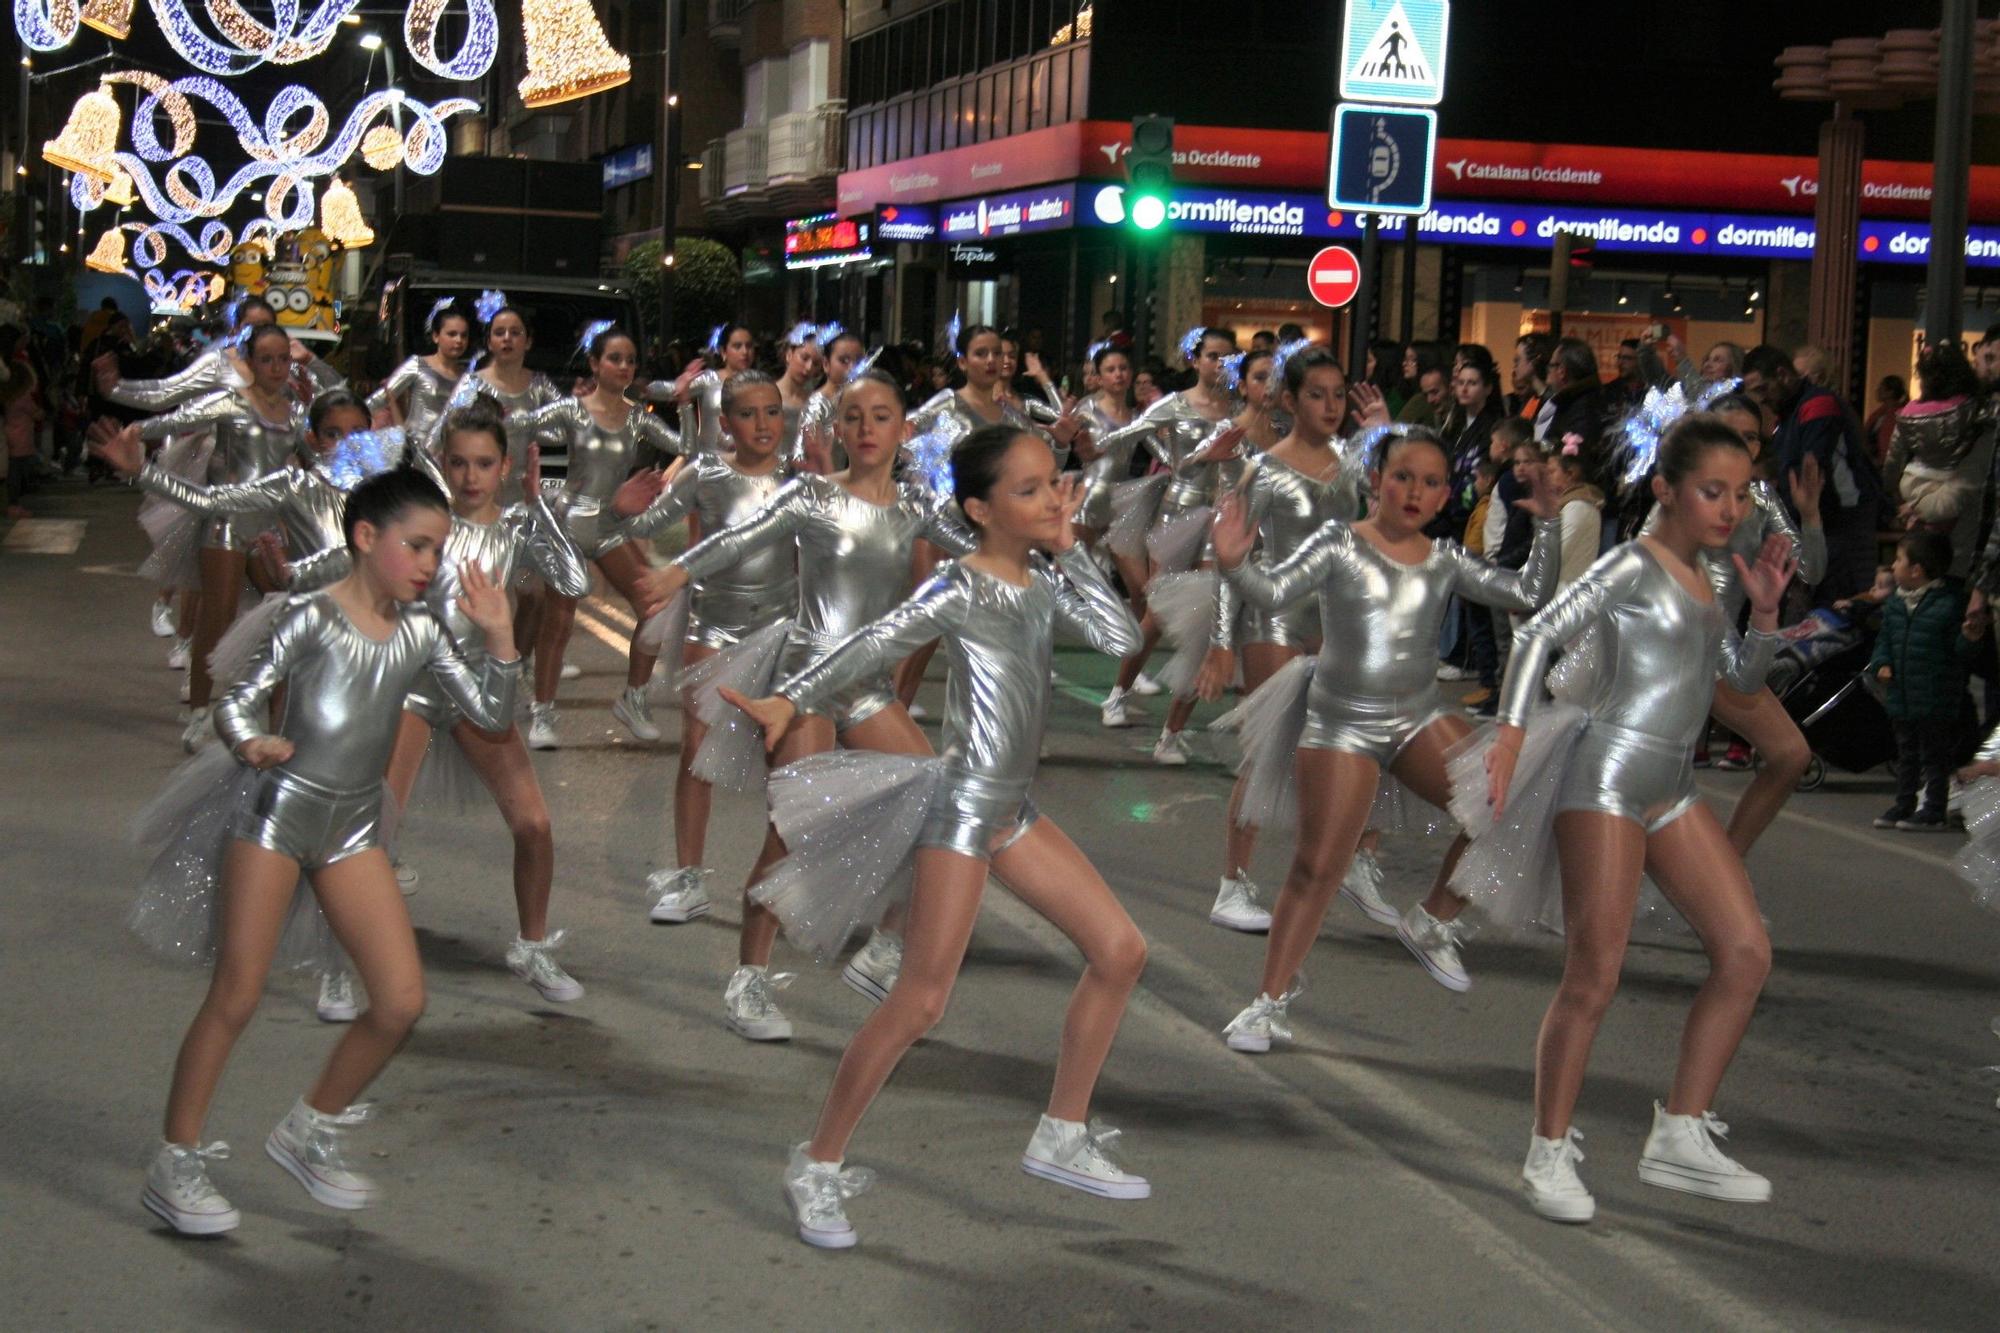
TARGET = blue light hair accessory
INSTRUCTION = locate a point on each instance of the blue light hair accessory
(590, 332)
(1639, 434)
(1232, 371)
(359, 455)
(951, 334)
(1285, 352)
(801, 333)
(1191, 342)
(489, 304)
(442, 304)
(827, 332)
(715, 338)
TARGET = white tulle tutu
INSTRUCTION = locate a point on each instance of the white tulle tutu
(732, 754)
(1134, 506)
(1183, 605)
(447, 783)
(664, 633)
(186, 827)
(1510, 873)
(1979, 863)
(849, 820)
(240, 642)
(1273, 719)
(175, 532)
(1175, 542)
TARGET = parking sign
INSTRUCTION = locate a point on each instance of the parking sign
(1382, 159)
(1393, 51)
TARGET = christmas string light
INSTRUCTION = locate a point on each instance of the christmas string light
(382, 148)
(88, 137)
(46, 25)
(475, 53)
(568, 56)
(283, 42)
(340, 217)
(108, 255)
(113, 18)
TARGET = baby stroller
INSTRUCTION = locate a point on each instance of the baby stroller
(1821, 677)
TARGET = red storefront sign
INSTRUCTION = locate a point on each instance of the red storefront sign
(1467, 169)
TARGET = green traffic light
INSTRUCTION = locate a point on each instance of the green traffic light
(1149, 212)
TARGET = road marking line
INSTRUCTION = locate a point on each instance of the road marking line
(604, 634)
(1871, 838)
(45, 536)
(615, 614)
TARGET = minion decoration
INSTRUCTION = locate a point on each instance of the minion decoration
(296, 281)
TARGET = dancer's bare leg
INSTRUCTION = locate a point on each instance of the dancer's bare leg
(1762, 721)
(1336, 792)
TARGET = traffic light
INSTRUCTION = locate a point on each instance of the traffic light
(1150, 169)
(1573, 253)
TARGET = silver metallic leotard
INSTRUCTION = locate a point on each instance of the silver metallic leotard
(1286, 508)
(701, 414)
(343, 700)
(943, 423)
(738, 598)
(246, 447)
(517, 410)
(1374, 685)
(599, 462)
(1767, 518)
(1174, 432)
(429, 394)
(997, 638)
(307, 506)
(1112, 465)
(853, 557)
(1660, 651)
(212, 370)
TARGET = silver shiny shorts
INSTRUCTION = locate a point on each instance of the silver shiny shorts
(976, 816)
(594, 531)
(236, 532)
(853, 703)
(1619, 771)
(311, 824)
(1297, 626)
(723, 617)
(1376, 726)
(1095, 514)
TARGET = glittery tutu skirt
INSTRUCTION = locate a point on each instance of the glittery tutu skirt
(1134, 506)
(1979, 863)
(1272, 720)
(231, 655)
(187, 827)
(1183, 605)
(849, 820)
(1176, 540)
(1510, 873)
(175, 532)
(732, 754)
(664, 633)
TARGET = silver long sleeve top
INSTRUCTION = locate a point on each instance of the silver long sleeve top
(1174, 431)
(344, 691)
(213, 369)
(853, 556)
(998, 638)
(247, 445)
(600, 460)
(423, 391)
(517, 411)
(307, 505)
(724, 498)
(1379, 617)
(1286, 508)
(1114, 445)
(1660, 649)
(701, 414)
(944, 421)
(1767, 518)
(527, 533)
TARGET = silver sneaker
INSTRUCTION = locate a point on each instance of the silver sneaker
(751, 1007)
(534, 962)
(406, 877)
(1681, 1154)
(1435, 944)
(1171, 750)
(179, 1193)
(681, 894)
(1079, 1156)
(178, 655)
(1550, 1181)
(198, 730)
(1146, 687)
(307, 1144)
(542, 727)
(1363, 888)
(1236, 906)
(875, 965)
(163, 620)
(1253, 1030)
(571, 671)
(818, 1193)
(336, 998)
(1113, 713)
(633, 709)
(185, 690)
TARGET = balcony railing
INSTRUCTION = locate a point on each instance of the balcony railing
(805, 145)
(744, 171)
(712, 182)
(725, 20)
(783, 168)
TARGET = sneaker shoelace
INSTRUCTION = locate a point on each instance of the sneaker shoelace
(1268, 1013)
(755, 996)
(323, 1135)
(832, 1186)
(1707, 1130)
(338, 990)
(189, 1167)
(539, 955)
(1090, 1148)
(676, 883)
(1242, 892)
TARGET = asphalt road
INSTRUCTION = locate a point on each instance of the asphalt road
(614, 1163)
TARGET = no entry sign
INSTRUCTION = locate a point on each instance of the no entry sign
(1334, 276)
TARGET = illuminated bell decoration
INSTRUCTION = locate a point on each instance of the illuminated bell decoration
(120, 191)
(382, 148)
(568, 55)
(340, 217)
(109, 255)
(88, 138)
(113, 18)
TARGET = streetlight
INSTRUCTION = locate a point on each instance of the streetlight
(371, 42)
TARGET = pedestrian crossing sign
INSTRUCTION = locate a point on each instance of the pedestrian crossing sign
(1393, 51)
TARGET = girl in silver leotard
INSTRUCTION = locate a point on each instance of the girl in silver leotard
(699, 389)
(1610, 784)
(308, 798)
(795, 388)
(844, 353)
(1109, 455)
(519, 393)
(963, 813)
(1370, 699)
(853, 533)
(418, 391)
(601, 458)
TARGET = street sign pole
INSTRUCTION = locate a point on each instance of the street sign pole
(1364, 298)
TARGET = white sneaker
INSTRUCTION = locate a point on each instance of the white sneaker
(336, 998)
(1079, 1156)
(752, 1009)
(178, 655)
(1435, 944)
(875, 965)
(682, 894)
(1146, 687)
(307, 1144)
(179, 1193)
(1681, 1154)
(818, 1193)
(185, 691)
(1446, 671)
(571, 671)
(1236, 906)
(1113, 713)
(636, 713)
(1171, 750)
(542, 727)
(1550, 1181)
(534, 962)
(163, 624)
(1253, 1030)
(406, 877)
(1363, 888)
(198, 730)
(919, 713)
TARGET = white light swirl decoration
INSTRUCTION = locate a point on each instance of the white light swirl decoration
(46, 25)
(250, 43)
(475, 53)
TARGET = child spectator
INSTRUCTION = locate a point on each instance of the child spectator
(1483, 480)
(1920, 660)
